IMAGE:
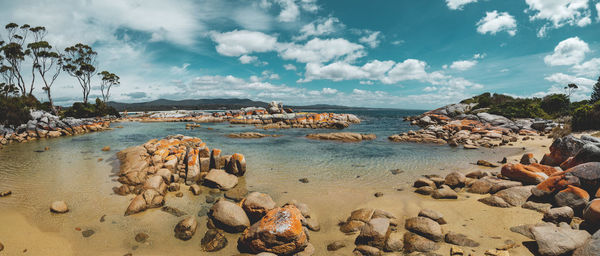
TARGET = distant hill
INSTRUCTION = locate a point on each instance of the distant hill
(205, 104)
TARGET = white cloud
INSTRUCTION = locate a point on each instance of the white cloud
(241, 42)
(329, 91)
(180, 70)
(289, 10)
(559, 13)
(495, 22)
(598, 10)
(289, 67)
(320, 27)
(568, 52)
(309, 5)
(560, 80)
(430, 89)
(463, 65)
(410, 69)
(479, 56)
(590, 68)
(372, 39)
(458, 4)
(398, 42)
(321, 50)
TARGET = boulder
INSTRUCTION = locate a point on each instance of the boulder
(417, 243)
(554, 241)
(434, 215)
(588, 174)
(460, 240)
(587, 153)
(394, 242)
(539, 207)
(365, 250)
(257, 204)
(426, 190)
(374, 233)
(444, 192)
(481, 186)
(515, 196)
(215, 159)
(279, 231)
(363, 214)
(554, 184)
(481, 163)
(59, 207)
(455, 179)
(422, 182)
(572, 196)
(528, 159)
(559, 214)
(133, 159)
(195, 189)
(221, 179)
(229, 216)
(591, 213)
(591, 247)
(236, 165)
(494, 201)
(425, 227)
(342, 136)
(186, 228)
(213, 240)
(522, 173)
(565, 147)
(352, 226)
(138, 204)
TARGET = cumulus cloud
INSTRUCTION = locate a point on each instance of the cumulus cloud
(180, 70)
(320, 27)
(246, 59)
(289, 10)
(495, 22)
(372, 39)
(590, 68)
(321, 50)
(560, 80)
(289, 67)
(463, 65)
(458, 4)
(568, 52)
(558, 13)
(242, 42)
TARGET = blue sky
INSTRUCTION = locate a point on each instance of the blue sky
(401, 54)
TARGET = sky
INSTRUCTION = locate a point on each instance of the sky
(395, 54)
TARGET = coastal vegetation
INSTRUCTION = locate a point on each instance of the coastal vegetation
(25, 56)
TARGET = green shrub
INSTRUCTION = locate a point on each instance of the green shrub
(586, 117)
(14, 111)
(520, 108)
(555, 104)
(88, 110)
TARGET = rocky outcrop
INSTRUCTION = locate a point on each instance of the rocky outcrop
(342, 136)
(250, 135)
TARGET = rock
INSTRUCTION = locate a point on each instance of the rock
(195, 189)
(174, 187)
(434, 215)
(5, 193)
(249, 135)
(1, 247)
(374, 233)
(336, 245)
(572, 196)
(422, 182)
(308, 250)
(237, 193)
(539, 207)
(557, 240)
(179, 194)
(414, 242)
(522, 173)
(459, 239)
(279, 232)
(455, 179)
(141, 237)
(477, 174)
(312, 224)
(588, 153)
(363, 214)
(106, 148)
(351, 226)
(87, 233)
(560, 214)
(59, 207)
(257, 205)
(236, 165)
(186, 228)
(456, 251)
(494, 201)
(213, 240)
(528, 159)
(525, 230)
(486, 164)
(396, 171)
(554, 184)
(378, 194)
(565, 147)
(138, 204)
(444, 192)
(221, 179)
(425, 190)
(342, 136)
(591, 213)
(229, 216)
(173, 211)
(303, 180)
(515, 196)
(590, 248)
(210, 199)
(588, 174)
(365, 250)
(425, 227)
(394, 242)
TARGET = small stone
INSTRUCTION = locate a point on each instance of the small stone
(103, 218)
(5, 193)
(365, 250)
(210, 199)
(494, 201)
(186, 228)
(460, 240)
(2, 247)
(303, 180)
(173, 211)
(336, 245)
(394, 242)
(88, 233)
(59, 207)
(195, 189)
(456, 251)
(141, 237)
(213, 240)
(425, 190)
(106, 148)
(378, 194)
(179, 194)
(396, 171)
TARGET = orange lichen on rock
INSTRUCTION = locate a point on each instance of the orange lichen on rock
(548, 170)
(525, 174)
(576, 191)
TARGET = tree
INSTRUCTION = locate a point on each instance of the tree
(38, 36)
(555, 104)
(596, 92)
(48, 64)
(108, 80)
(8, 90)
(570, 88)
(79, 62)
(15, 55)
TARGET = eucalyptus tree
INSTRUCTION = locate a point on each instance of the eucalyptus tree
(79, 61)
(14, 53)
(35, 48)
(108, 80)
(48, 64)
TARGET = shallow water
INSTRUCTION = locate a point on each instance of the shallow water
(343, 176)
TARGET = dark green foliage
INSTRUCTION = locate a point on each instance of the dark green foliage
(520, 108)
(87, 110)
(586, 117)
(555, 104)
(15, 110)
(596, 92)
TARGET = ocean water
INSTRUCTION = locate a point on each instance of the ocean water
(341, 176)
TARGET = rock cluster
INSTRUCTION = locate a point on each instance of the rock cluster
(250, 135)
(160, 166)
(376, 231)
(46, 125)
(342, 136)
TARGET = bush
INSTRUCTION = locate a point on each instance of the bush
(555, 104)
(88, 110)
(14, 111)
(520, 108)
(586, 117)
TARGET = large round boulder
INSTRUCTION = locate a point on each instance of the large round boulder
(257, 205)
(229, 216)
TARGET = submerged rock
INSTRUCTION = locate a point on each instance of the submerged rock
(342, 136)
(213, 240)
(59, 207)
(186, 228)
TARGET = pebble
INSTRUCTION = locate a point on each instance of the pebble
(378, 194)
(210, 199)
(303, 180)
(334, 246)
(5, 193)
(141, 237)
(88, 233)
(103, 218)
(396, 171)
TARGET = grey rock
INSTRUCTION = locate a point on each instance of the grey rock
(460, 240)
(425, 227)
(539, 207)
(444, 192)
(515, 196)
(553, 241)
(417, 243)
(186, 228)
(494, 201)
(434, 215)
(560, 214)
(374, 233)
